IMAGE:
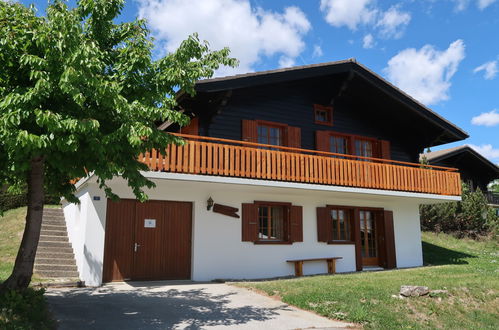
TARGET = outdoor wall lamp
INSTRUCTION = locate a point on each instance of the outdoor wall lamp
(209, 203)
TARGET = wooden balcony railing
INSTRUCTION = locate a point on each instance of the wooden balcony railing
(230, 158)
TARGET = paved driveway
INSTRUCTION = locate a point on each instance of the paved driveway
(176, 305)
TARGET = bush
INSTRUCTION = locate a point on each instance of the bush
(25, 310)
(471, 217)
(11, 200)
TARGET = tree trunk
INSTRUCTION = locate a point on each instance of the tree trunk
(23, 268)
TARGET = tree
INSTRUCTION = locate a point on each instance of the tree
(494, 186)
(80, 93)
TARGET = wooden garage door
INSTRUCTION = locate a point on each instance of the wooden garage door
(147, 241)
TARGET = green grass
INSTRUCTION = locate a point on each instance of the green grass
(12, 227)
(468, 269)
(27, 310)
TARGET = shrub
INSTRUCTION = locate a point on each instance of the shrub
(471, 217)
(18, 198)
(25, 309)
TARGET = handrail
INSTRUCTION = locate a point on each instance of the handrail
(318, 152)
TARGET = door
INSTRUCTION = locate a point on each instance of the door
(147, 241)
(368, 238)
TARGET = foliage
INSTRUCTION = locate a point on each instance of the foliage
(14, 199)
(84, 93)
(470, 217)
(494, 186)
(24, 310)
(467, 270)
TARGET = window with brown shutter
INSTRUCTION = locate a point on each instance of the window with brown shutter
(323, 115)
(267, 132)
(350, 144)
(335, 225)
(272, 223)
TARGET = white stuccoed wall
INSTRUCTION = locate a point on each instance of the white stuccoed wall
(218, 251)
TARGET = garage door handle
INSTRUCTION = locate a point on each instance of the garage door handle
(136, 247)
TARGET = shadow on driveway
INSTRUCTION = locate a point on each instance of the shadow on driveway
(193, 306)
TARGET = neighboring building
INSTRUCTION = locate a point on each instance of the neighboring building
(476, 170)
(306, 162)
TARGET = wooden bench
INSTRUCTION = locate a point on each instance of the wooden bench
(331, 264)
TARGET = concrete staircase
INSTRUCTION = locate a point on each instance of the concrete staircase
(54, 257)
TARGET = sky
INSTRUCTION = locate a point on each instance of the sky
(444, 53)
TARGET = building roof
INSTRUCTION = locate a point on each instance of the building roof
(434, 157)
(324, 69)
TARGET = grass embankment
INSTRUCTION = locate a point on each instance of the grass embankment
(28, 310)
(468, 269)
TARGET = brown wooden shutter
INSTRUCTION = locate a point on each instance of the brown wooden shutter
(293, 137)
(192, 128)
(249, 222)
(385, 152)
(324, 226)
(379, 218)
(249, 133)
(322, 141)
(296, 224)
(358, 243)
(391, 258)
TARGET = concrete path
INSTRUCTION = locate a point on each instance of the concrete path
(176, 305)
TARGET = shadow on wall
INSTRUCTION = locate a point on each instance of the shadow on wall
(110, 308)
(94, 266)
(437, 255)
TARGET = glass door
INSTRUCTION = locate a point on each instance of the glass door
(368, 237)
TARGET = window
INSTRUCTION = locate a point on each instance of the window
(272, 224)
(270, 134)
(339, 144)
(364, 148)
(368, 234)
(341, 224)
(323, 115)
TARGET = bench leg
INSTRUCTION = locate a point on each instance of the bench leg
(298, 268)
(331, 266)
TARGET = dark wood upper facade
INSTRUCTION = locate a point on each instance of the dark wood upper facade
(363, 105)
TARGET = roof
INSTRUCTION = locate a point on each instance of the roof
(324, 69)
(440, 155)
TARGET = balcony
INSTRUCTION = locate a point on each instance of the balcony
(230, 158)
(492, 197)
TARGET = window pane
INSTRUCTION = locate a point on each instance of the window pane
(271, 223)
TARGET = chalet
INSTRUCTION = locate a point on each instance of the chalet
(304, 170)
(476, 170)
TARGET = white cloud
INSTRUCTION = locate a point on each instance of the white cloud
(486, 119)
(489, 68)
(250, 32)
(486, 150)
(463, 4)
(368, 41)
(286, 62)
(347, 12)
(393, 22)
(425, 74)
(482, 4)
(317, 51)
(352, 14)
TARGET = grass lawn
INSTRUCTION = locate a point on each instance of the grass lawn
(29, 310)
(468, 269)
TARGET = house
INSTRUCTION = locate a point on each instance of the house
(315, 161)
(476, 170)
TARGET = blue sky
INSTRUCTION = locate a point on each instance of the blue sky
(445, 53)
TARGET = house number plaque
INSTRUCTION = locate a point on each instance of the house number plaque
(149, 223)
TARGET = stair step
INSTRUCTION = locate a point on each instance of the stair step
(58, 260)
(57, 273)
(54, 255)
(52, 210)
(50, 238)
(54, 244)
(55, 249)
(65, 268)
(47, 232)
(53, 227)
(54, 222)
